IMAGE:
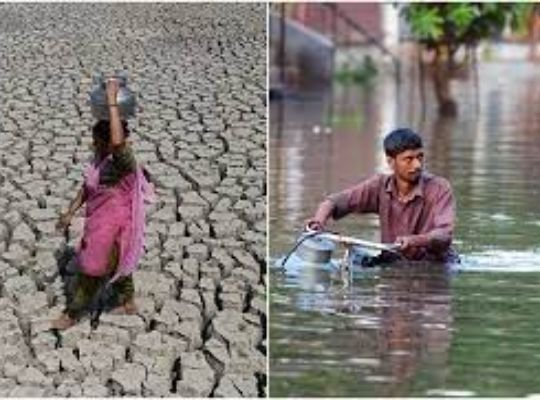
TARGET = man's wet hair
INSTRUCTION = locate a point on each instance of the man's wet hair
(102, 130)
(401, 140)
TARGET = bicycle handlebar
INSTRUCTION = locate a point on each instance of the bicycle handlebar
(348, 240)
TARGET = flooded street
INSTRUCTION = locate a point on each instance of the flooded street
(420, 329)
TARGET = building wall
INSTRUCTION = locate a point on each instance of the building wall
(321, 19)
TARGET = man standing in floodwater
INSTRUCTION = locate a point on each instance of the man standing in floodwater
(416, 209)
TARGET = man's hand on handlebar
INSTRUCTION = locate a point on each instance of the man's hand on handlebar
(314, 225)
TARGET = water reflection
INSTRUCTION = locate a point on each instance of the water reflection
(415, 324)
(383, 328)
(412, 331)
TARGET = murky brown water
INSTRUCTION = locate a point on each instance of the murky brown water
(418, 330)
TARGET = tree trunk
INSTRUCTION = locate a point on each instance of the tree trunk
(441, 83)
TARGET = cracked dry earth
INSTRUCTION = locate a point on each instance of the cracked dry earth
(200, 73)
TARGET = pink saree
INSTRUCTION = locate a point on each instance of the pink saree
(115, 216)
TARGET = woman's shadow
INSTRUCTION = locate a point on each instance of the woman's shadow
(67, 269)
(103, 300)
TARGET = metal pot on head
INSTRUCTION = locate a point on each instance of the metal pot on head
(125, 99)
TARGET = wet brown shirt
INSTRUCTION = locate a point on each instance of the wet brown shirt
(427, 216)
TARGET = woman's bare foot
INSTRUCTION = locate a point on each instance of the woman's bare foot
(63, 322)
(127, 307)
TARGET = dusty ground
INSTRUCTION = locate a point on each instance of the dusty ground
(200, 74)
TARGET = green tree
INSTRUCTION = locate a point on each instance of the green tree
(445, 28)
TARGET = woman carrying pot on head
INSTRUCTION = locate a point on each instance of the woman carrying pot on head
(114, 190)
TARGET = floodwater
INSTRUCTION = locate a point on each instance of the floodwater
(415, 330)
